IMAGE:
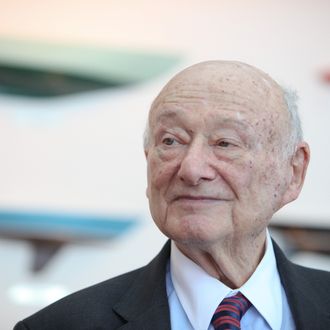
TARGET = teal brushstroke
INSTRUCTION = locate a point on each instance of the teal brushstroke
(66, 224)
(39, 68)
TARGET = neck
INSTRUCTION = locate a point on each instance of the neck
(231, 261)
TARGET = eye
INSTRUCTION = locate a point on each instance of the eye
(168, 141)
(224, 144)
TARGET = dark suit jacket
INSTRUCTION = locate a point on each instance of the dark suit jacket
(138, 300)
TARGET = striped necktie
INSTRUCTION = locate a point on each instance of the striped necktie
(229, 313)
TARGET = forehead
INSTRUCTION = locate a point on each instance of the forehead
(208, 122)
(219, 90)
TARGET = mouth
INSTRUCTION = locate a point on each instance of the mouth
(201, 198)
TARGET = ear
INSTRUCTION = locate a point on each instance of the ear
(298, 165)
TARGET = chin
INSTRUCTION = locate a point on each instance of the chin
(195, 230)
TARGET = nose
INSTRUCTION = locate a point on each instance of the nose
(197, 165)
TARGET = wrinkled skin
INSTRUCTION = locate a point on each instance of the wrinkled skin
(218, 167)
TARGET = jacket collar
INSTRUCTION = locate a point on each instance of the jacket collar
(309, 309)
(145, 304)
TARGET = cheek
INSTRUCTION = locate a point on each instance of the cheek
(271, 185)
(239, 176)
(160, 173)
(251, 180)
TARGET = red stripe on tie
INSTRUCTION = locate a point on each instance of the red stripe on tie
(229, 308)
(237, 301)
(226, 320)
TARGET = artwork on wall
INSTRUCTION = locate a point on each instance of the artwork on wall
(37, 68)
(73, 165)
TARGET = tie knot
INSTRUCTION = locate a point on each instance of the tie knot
(230, 311)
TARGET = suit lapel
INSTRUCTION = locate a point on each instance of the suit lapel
(306, 306)
(145, 305)
(155, 318)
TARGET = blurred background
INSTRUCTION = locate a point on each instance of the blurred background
(76, 82)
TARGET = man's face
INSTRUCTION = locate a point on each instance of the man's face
(215, 160)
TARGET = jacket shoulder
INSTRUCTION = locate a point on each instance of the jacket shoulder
(310, 278)
(94, 306)
(307, 291)
(297, 274)
(89, 308)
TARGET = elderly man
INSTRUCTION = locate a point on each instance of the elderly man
(224, 150)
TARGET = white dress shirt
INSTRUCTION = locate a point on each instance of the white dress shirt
(194, 295)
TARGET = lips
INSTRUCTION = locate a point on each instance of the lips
(195, 198)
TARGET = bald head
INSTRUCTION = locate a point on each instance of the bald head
(220, 77)
(220, 83)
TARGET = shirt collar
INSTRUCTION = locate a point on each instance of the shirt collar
(200, 294)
